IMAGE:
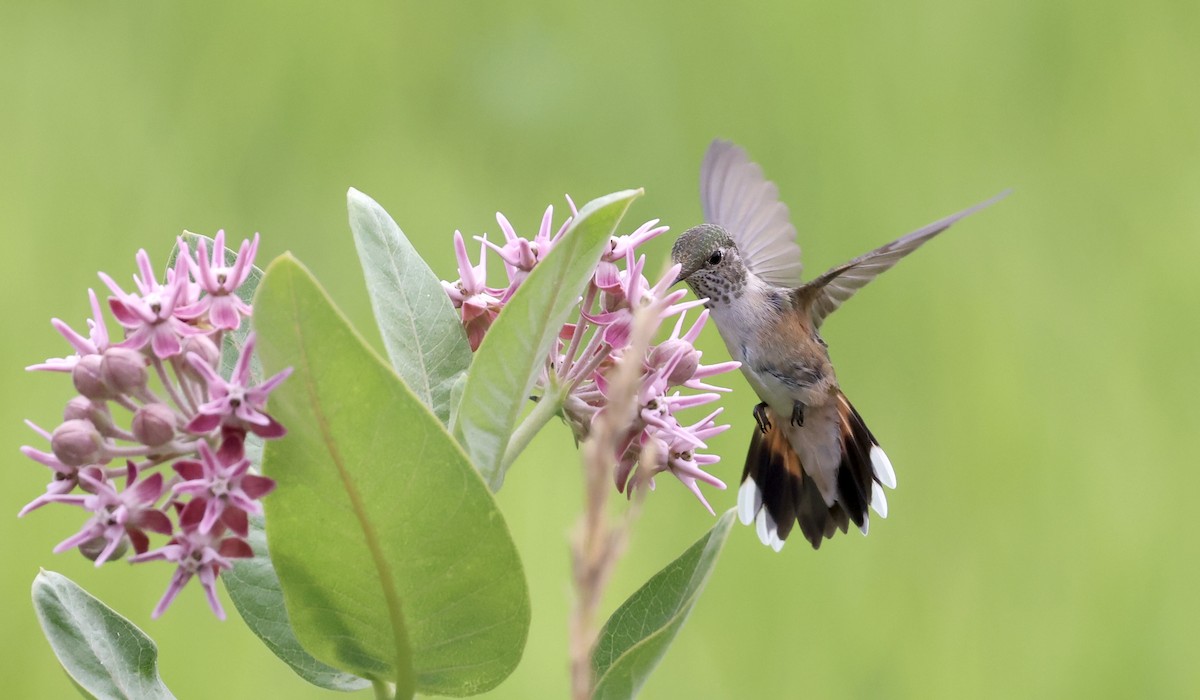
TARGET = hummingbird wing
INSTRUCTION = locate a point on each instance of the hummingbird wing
(839, 284)
(737, 197)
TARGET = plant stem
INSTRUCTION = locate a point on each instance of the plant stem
(546, 408)
(384, 690)
(168, 385)
(580, 328)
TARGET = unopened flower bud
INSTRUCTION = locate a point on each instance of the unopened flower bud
(88, 380)
(78, 408)
(124, 370)
(685, 368)
(611, 301)
(203, 346)
(83, 408)
(76, 443)
(95, 546)
(578, 414)
(154, 424)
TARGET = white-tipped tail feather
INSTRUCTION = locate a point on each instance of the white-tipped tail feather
(749, 501)
(750, 510)
(760, 526)
(882, 466)
(878, 500)
(792, 496)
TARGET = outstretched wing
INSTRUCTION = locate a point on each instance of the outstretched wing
(840, 283)
(740, 200)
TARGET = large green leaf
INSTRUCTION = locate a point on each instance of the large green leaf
(105, 655)
(423, 335)
(508, 361)
(638, 634)
(254, 589)
(395, 562)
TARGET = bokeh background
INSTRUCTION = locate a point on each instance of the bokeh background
(1032, 373)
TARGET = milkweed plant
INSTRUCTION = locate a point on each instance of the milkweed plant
(228, 423)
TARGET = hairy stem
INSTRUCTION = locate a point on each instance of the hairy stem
(186, 389)
(599, 543)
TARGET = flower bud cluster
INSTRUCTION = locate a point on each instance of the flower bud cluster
(590, 345)
(154, 442)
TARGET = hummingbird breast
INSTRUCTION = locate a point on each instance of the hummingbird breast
(782, 357)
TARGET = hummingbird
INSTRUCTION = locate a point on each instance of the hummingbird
(812, 460)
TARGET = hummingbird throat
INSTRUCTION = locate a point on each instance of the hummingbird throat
(720, 286)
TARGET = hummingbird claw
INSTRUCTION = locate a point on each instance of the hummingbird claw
(798, 414)
(760, 417)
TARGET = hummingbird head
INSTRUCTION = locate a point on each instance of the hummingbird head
(709, 262)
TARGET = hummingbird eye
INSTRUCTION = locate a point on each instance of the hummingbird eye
(715, 258)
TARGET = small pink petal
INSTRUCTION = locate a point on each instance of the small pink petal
(203, 423)
(189, 469)
(155, 521)
(235, 519)
(257, 486)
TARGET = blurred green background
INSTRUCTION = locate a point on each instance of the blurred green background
(1031, 373)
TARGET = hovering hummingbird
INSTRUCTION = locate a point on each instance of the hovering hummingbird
(812, 458)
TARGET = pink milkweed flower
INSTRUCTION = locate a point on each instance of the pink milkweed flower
(607, 279)
(686, 464)
(119, 518)
(675, 450)
(520, 255)
(479, 304)
(635, 293)
(234, 402)
(227, 488)
(680, 458)
(196, 553)
(220, 282)
(96, 342)
(587, 349)
(679, 359)
(149, 317)
(66, 478)
(675, 445)
(621, 246)
(161, 320)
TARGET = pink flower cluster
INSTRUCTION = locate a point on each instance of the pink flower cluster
(181, 412)
(590, 345)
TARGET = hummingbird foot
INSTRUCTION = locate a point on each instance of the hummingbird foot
(760, 417)
(798, 414)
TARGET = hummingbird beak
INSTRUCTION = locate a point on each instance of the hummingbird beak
(684, 273)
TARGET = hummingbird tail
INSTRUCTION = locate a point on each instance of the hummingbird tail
(777, 491)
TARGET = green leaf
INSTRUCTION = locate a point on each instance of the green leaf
(233, 342)
(423, 335)
(507, 363)
(254, 588)
(395, 562)
(638, 634)
(105, 655)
